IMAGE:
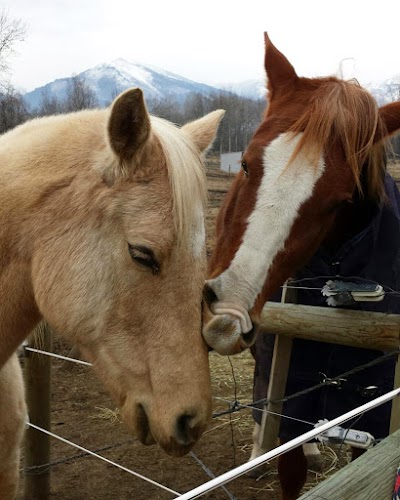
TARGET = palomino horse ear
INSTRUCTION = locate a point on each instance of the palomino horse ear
(280, 72)
(129, 124)
(390, 115)
(204, 130)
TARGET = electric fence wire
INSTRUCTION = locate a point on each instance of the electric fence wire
(237, 406)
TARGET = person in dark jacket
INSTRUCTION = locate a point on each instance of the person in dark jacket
(372, 254)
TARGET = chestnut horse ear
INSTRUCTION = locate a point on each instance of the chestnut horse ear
(280, 73)
(204, 130)
(390, 115)
(129, 124)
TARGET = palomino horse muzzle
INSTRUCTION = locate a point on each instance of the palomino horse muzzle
(227, 328)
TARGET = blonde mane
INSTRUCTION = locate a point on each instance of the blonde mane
(186, 174)
(185, 168)
(342, 111)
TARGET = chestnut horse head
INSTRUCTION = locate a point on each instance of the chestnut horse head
(321, 142)
(102, 235)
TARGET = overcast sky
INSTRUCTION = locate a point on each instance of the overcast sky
(206, 41)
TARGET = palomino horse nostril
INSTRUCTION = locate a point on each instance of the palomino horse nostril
(143, 426)
(186, 433)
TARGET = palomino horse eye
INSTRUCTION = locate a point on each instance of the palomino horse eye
(144, 257)
(245, 168)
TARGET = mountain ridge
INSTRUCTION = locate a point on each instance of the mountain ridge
(108, 79)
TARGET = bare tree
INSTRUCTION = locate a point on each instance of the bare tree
(195, 106)
(13, 109)
(242, 117)
(168, 108)
(49, 105)
(79, 95)
(392, 89)
(11, 31)
(392, 93)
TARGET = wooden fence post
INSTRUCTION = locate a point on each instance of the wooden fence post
(395, 415)
(38, 393)
(277, 383)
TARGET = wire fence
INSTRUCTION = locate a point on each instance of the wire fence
(234, 406)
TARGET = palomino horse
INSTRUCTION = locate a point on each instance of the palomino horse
(321, 143)
(102, 234)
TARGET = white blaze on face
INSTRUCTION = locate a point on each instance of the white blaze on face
(281, 193)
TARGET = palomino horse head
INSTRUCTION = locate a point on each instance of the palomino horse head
(319, 138)
(103, 236)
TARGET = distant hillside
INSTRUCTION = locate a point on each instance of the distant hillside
(109, 79)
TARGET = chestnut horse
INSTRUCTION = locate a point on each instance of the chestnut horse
(102, 235)
(321, 143)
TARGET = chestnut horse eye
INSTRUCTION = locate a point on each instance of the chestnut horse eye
(144, 257)
(245, 168)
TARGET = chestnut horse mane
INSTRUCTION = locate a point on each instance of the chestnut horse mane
(343, 111)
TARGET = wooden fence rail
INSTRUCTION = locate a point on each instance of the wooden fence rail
(370, 330)
(371, 476)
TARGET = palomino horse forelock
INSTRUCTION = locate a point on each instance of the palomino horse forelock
(318, 137)
(102, 235)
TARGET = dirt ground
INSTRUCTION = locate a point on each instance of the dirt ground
(83, 413)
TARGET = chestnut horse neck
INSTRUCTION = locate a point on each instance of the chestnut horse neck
(321, 142)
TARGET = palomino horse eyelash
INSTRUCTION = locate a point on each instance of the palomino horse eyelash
(145, 257)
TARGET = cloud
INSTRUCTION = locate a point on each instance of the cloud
(206, 41)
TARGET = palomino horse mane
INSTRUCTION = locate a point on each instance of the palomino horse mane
(186, 174)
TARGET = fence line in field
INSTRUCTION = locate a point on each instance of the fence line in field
(242, 469)
(235, 406)
(92, 453)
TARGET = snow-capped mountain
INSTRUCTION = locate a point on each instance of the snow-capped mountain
(253, 89)
(109, 79)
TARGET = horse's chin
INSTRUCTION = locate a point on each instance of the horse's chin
(175, 450)
(223, 334)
